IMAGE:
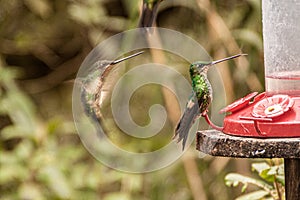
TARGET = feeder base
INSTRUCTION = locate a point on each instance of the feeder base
(255, 119)
(216, 143)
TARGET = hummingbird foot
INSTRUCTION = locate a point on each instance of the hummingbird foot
(204, 113)
(206, 117)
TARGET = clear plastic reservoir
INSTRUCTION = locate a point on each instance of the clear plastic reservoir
(281, 34)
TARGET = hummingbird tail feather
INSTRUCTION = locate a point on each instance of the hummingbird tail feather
(148, 16)
(185, 123)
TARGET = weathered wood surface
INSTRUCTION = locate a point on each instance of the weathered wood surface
(216, 143)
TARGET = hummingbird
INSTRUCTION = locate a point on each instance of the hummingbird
(149, 12)
(200, 98)
(92, 95)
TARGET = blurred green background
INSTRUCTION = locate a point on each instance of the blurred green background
(42, 44)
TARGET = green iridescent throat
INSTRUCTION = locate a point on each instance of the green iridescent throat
(201, 87)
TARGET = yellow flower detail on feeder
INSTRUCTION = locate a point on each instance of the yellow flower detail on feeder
(274, 110)
(272, 106)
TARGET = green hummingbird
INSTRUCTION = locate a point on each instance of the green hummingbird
(149, 12)
(92, 95)
(200, 99)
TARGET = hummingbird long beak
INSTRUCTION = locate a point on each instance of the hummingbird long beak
(126, 58)
(228, 58)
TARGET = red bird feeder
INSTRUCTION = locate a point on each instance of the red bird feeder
(265, 116)
(276, 112)
(267, 125)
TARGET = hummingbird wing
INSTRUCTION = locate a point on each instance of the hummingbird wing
(94, 92)
(186, 121)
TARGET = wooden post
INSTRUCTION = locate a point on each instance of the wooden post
(292, 178)
(216, 143)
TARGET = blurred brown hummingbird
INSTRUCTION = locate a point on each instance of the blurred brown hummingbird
(91, 90)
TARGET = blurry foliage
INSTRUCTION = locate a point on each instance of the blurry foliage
(42, 44)
(272, 172)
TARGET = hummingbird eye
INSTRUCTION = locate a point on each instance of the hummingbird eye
(196, 64)
(200, 65)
